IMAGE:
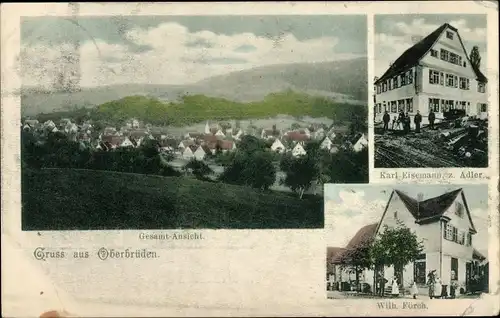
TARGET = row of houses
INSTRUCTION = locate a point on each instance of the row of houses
(195, 144)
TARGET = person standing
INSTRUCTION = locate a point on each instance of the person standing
(395, 288)
(432, 118)
(401, 120)
(382, 283)
(417, 120)
(414, 290)
(387, 119)
(431, 282)
(438, 288)
(407, 123)
(394, 122)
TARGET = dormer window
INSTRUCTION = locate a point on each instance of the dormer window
(449, 35)
(481, 88)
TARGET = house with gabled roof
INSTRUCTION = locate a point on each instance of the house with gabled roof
(185, 143)
(49, 125)
(434, 74)
(188, 152)
(298, 150)
(444, 225)
(326, 143)
(359, 142)
(201, 152)
(278, 146)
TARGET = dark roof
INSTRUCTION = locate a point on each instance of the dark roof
(362, 238)
(192, 147)
(432, 208)
(412, 55)
(479, 75)
(332, 252)
(169, 142)
(478, 255)
(356, 137)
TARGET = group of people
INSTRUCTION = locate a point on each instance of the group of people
(402, 121)
(433, 282)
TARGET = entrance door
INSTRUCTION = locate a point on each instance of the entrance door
(454, 269)
(468, 276)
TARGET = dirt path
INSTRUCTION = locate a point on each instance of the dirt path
(412, 151)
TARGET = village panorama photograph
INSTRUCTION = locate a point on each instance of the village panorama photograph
(406, 241)
(431, 91)
(189, 122)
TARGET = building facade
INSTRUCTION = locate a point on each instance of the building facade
(435, 74)
(445, 227)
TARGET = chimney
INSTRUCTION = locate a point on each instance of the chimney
(420, 197)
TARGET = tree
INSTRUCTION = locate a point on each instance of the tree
(300, 173)
(396, 246)
(358, 122)
(149, 147)
(346, 166)
(250, 144)
(260, 170)
(199, 169)
(295, 126)
(475, 57)
(254, 169)
(218, 149)
(356, 260)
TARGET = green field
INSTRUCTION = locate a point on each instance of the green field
(199, 108)
(66, 199)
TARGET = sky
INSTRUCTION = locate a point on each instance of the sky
(182, 49)
(394, 34)
(349, 208)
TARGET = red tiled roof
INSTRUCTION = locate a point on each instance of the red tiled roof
(296, 136)
(210, 138)
(226, 144)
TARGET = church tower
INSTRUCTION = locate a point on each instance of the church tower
(207, 128)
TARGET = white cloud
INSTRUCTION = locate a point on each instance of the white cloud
(343, 219)
(388, 47)
(175, 57)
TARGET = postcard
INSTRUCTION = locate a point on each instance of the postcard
(199, 159)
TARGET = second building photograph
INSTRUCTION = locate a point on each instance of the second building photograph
(431, 91)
